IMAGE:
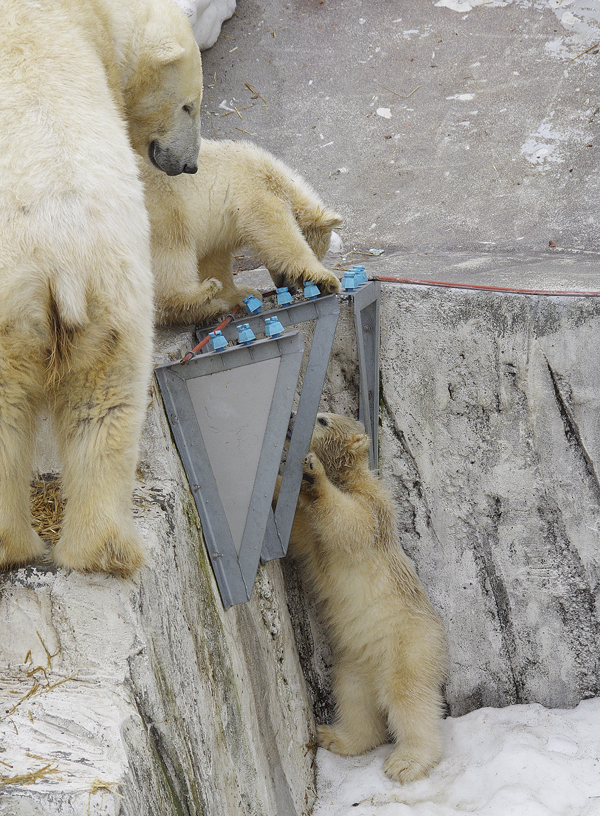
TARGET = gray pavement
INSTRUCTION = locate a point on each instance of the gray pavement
(428, 129)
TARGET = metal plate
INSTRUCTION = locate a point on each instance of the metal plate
(229, 413)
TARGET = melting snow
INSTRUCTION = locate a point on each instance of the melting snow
(522, 760)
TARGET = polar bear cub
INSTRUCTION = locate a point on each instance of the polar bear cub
(389, 654)
(240, 196)
(80, 84)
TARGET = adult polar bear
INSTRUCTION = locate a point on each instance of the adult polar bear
(81, 82)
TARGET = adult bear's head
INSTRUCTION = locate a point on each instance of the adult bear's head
(163, 94)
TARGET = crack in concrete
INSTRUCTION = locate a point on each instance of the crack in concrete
(572, 432)
(416, 483)
(484, 559)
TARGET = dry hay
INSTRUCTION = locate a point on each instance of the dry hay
(47, 506)
(31, 777)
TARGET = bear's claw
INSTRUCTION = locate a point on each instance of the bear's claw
(405, 765)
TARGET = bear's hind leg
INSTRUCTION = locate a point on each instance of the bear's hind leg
(359, 724)
(98, 418)
(414, 719)
(19, 543)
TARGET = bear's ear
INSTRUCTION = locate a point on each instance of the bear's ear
(162, 48)
(359, 443)
(330, 219)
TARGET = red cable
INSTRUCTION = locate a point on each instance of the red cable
(202, 343)
(477, 286)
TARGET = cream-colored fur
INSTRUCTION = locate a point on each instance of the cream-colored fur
(78, 80)
(241, 196)
(388, 644)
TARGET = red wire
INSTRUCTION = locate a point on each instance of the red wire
(202, 343)
(486, 288)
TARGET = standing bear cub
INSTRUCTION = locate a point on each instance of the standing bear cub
(241, 196)
(389, 653)
(83, 85)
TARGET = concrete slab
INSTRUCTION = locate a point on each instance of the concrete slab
(425, 127)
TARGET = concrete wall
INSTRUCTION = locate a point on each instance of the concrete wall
(172, 705)
(490, 443)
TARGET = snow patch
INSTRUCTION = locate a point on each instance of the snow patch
(568, 18)
(536, 152)
(463, 6)
(542, 145)
(336, 246)
(523, 759)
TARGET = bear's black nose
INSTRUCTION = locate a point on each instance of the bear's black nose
(190, 168)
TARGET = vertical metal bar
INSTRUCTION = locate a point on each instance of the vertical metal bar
(280, 522)
(366, 324)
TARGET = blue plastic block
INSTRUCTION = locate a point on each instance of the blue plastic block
(283, 296)
(217, 342)
(360, 276)
(273, 327)
(311, 290)
(245, 334)
(253, 304)
(349, 282)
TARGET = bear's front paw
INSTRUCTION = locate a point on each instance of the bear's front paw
(330, 284)
(312, 471)
(21, 547)
(242, 292)
(327, 282)
(407, 764)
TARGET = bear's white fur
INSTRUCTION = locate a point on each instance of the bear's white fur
(80, 83)
(389, 654)
(240, 196)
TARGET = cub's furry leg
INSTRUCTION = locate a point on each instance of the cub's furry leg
(414, 719)
(194, 304)
(359, 724)
(277, 239)
(219, 265)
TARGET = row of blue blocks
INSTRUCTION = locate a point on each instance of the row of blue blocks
(253, 304)
(353, 278)
(217, 341)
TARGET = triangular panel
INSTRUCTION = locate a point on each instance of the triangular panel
(232, 409)
(229, 413)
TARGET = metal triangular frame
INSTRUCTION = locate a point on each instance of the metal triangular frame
(235, 572)
(366, 324)
(324, 311)
(270, 528)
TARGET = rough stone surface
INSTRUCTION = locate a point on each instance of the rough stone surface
(491, 443)
(427, 125)
(143, 697)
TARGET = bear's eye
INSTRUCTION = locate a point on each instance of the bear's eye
(187, 109)
(323, 421)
